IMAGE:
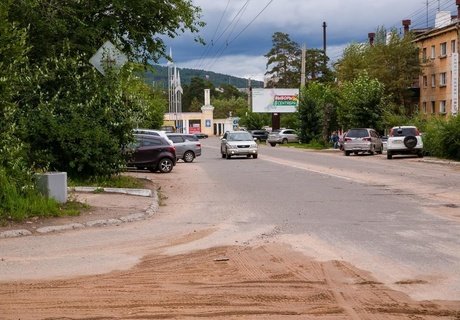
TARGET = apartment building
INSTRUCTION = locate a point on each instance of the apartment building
(439, 61)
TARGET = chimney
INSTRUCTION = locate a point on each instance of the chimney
(371, 36)
(457, 2)
(406, 24)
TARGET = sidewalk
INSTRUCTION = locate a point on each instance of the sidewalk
(109, 206)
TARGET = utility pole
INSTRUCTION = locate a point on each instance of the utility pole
(302, 68)
(249, 94)
(324, 42)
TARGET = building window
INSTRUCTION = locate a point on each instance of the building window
(433, 107)
(453, 46)
(425, 81)
(442, 106)
(443, 49)
(424, 56)
(433, 81)
(433, 52)
(442, 79)
(424, 107)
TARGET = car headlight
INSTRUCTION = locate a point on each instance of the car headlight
(229, 146)
(253, 145)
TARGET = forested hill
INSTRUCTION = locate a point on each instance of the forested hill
(160, 77)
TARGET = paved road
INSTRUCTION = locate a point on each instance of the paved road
(397, 219)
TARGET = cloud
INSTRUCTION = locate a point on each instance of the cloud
(238, 36)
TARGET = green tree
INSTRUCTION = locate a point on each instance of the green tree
(195, 91)
(318, 111)
(284, 59)
(134, 26)
(361, 103)
(75, 120)
(392, 60)
(224, 108)
(254, 121)
(13, 71)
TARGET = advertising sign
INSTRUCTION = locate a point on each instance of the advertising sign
(454, 61)
(275, 100)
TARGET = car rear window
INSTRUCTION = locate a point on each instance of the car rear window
(357, 133)
(403, 132)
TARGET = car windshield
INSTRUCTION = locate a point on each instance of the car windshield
(403, 132)
(357, 133)
(239, 136)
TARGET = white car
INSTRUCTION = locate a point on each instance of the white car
(238, 143)
(404, 140)
(153, 132)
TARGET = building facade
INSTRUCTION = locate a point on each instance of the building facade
(439, 65)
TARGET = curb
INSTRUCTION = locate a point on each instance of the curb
(95, 223)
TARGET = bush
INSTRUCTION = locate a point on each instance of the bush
(442, 137)
(17, 204)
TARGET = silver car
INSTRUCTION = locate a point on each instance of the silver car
(282, 136)
(362, 140)
(238, 143)
(188, 147)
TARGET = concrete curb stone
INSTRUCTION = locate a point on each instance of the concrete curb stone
(137, 216)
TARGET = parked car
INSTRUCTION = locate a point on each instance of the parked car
(260, 135)
(404, 140)
(238, 143)
(151, 152)
(153, 132)
(282, 136)
(201, 135)
(187, 146)
(362, 140)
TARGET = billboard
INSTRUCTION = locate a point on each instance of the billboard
(275, 100)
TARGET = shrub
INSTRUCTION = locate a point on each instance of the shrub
(442, 137)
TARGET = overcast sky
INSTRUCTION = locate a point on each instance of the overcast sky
(239, 33)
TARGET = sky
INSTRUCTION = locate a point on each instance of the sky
(238, 33)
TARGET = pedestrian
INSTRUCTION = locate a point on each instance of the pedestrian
(335, 139)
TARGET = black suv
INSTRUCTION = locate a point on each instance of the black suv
(260, 135)
(152, 152)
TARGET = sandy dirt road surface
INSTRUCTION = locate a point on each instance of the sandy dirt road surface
(263, 279)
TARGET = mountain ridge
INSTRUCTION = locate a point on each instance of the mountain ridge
(186, 75)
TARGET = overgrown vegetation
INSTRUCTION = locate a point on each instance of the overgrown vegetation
(56, 112)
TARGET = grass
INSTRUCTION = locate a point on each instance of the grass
(314, 145)
(17, 205)
(119, 181)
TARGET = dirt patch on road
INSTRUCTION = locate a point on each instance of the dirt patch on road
(266, 282)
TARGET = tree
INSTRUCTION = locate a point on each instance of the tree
(318, 111)
(361, 103)
(392, 60)
(13, 71)
(284, 60)
(134, 26)
(224, 108)
(195, 90)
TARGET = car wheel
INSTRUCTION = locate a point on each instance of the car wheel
(355, 152)
(347, 153)
(272, 144)
(227, 155)
(254, 156)
(389, 155)
(223, 155)
(189, 156)
(285, 141)
(165, 165)
(410, 142)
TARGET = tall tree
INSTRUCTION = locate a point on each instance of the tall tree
(134, 26)
(195, 92)
(284, 61)
(392, 60)
(362, 103)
